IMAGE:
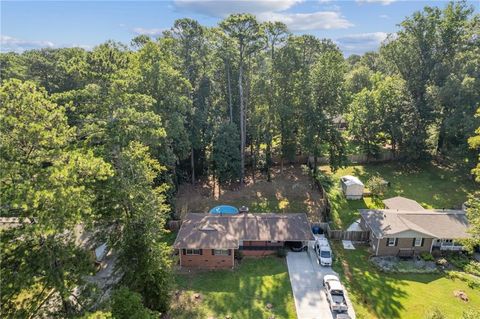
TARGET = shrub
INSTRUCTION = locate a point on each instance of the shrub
(458, 260)
(473, 268)
(127, 304)
(471, 314)
(281, 252)
(426, 256)
(377, 186)
(325, 180)
(238, 255)
(471, 281)
(435, 314)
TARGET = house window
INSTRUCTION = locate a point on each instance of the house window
(220, 252)
(418, 242)
(390, 242)
(192, 251)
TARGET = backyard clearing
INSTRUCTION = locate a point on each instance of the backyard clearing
(430, 185)
(288, 192)
(257, 288)
(378, 294)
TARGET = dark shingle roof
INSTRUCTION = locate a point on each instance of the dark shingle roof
(402, 203)
(434, 223)
(225, 232)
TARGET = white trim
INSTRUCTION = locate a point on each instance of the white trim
(192, 253)
(388, 241)
(222, 252)
(415, 242)
(378, 245)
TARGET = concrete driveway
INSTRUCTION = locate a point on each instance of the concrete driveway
(306, 277)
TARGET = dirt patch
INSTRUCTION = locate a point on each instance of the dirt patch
(288, 192)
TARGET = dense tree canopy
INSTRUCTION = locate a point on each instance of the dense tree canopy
(103, 137)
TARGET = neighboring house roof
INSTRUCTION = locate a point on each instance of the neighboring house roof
(351, 180)
(200, 231)
(402, 203)
(451, 224)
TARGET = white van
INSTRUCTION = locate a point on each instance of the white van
(323, 250)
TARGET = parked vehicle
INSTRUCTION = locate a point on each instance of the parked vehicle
(323, 250)
(335, 293)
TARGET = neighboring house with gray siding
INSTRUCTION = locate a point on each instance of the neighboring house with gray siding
(407, 233)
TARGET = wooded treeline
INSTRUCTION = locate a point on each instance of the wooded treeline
(103, 137)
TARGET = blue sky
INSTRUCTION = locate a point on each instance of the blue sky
(356, 26)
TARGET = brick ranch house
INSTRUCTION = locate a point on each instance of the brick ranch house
(210, 241)
(408, 233)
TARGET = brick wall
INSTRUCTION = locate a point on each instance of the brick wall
(206, 260)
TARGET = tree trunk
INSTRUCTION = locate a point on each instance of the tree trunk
(242, 123)
(254, 162)
(229, 93)
(441, 139)
(192, 163)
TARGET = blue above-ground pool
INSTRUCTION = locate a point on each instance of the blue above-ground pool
(224, 209)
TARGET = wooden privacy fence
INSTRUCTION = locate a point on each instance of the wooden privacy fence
(338, 234)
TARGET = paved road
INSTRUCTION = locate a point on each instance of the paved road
(306, 279)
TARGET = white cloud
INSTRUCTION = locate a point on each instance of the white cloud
(149, 32)
(382, 2)
(384, 16)
(8, 43)
(319, 20)
(222, 8)
(269, 10)
(361, 43)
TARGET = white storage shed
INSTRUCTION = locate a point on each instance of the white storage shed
(352, 187)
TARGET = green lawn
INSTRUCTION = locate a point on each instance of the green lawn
(432, 186)
(381, 295)
(241, 293)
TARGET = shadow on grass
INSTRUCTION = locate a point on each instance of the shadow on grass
(246, 291)
(380, 294)
(368, 289)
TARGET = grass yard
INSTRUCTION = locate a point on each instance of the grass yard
(430, 185)
(380, 295)
(241, 293)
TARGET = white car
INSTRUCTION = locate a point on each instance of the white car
(323, 250)
(335, 293)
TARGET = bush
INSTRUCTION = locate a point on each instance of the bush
(473, 268)
(458, 260)
(127, 304)
(426, 256)
(471, 281)
(281, 252)
(377, 186)
(238, 255)
(435, 314)
(471, 314)
(325, 180)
